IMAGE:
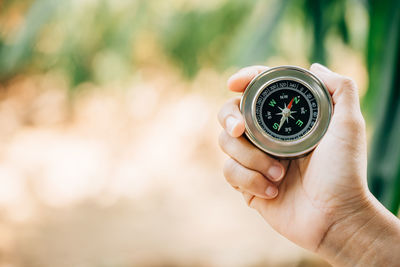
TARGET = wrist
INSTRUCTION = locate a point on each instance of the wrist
(366, 236)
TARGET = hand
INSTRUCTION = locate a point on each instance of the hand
(303, 198)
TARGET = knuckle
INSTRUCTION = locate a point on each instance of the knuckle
(348, 83)
(358, 123)
(355, 118)
(252, 179)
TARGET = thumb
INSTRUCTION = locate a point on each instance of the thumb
(343, 90)
(347, 120)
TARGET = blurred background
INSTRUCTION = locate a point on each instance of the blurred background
(108, 131)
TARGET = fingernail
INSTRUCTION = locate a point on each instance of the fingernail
(271, 191)
(275, 172)
(230, 124)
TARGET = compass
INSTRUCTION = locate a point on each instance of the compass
(287, 111)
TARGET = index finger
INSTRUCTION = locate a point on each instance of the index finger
(239, 81)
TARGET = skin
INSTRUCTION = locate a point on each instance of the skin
(320, 202)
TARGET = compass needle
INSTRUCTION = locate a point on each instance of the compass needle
(281, 123)
(290, 104)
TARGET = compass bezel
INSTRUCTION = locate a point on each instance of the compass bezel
(274, 146)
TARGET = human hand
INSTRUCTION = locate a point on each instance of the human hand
(302, 198)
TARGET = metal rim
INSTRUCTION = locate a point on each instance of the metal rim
(270, 145)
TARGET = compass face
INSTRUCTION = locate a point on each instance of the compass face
(286, 110)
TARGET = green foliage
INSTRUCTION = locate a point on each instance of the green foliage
(322, 17)
(84, 39)
(254, 42)
(14, 57)
(195, 38)
(247, 32)
(382, 100)
(236, 32)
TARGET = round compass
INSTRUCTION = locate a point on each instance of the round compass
(287, 111)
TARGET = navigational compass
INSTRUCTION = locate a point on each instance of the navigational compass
(287, 111)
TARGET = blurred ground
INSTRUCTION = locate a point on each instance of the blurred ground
(127, 175)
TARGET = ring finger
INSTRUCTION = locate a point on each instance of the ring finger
(248, 180)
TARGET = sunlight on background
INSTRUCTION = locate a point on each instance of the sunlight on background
(108, 137)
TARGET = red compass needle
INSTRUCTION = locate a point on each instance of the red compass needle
(290, 104)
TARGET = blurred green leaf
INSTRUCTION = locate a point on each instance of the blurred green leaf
(322, 17)
(382, 101)
(196, 37)
(84, 34)
(16, 55)
(342, 26)
(315, 11)
(255, 39)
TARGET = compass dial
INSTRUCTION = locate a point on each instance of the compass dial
(286, 110)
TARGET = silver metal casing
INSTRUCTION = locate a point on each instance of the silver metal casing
(269, 144)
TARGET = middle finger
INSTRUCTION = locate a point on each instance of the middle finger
(251, 157)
